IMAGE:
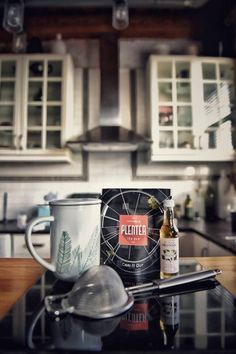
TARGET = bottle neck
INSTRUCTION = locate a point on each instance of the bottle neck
(168, 216)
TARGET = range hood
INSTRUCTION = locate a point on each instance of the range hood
(109, 138)
(109, 135)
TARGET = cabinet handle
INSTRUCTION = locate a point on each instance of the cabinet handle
(37, 245)
(204, 252)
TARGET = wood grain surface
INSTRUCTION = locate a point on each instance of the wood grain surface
(228, 267)
(17, 275)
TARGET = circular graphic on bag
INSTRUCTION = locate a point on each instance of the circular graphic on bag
(130, 224)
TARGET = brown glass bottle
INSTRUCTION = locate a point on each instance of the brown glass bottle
(169, 242)
(188, 208)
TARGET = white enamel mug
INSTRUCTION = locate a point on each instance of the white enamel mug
(74, 236)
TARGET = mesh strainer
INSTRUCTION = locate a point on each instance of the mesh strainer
(99, 292)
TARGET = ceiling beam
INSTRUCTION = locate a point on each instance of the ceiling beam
(89, 23)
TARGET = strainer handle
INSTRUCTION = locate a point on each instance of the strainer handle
(182, 279)
(52, 306)
(30, 333)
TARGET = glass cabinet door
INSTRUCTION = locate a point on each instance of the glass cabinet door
(165, 104)
(192, 108)
(174, 101)
(44, 104)
(7, 103)
(219, 101)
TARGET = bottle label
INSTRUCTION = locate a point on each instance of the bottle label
(133, 230)
(170, 310)
(169, 253)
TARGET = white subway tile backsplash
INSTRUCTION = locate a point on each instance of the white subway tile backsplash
(106, 170)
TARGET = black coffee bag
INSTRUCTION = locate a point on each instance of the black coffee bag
(130, 224)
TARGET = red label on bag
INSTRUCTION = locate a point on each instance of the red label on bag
(133, 230)
(136, 319)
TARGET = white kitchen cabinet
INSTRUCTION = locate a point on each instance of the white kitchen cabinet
(190, 101)
(216, 250)
(5, 245)
(36, 106)
(193, 245)
(41, 242)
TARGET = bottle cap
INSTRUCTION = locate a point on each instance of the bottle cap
(169, 203)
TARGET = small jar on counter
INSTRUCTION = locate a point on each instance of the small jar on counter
(21, 220)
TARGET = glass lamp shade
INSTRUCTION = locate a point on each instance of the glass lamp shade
(13, 17)
(120, 15)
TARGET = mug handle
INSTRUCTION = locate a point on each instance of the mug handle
(29, 244)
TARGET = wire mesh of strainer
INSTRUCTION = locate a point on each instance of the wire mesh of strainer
(97, 294)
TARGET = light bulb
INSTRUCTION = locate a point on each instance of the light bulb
(120, 14)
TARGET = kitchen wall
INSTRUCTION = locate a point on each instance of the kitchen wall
(99, 170)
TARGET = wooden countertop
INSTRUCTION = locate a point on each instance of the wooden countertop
(17, 275)
(228, 267)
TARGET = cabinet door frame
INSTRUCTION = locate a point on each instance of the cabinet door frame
(197, 104)
(16, 127)
(223, 154)
(158, 153)
(45, 79)
(20, 151)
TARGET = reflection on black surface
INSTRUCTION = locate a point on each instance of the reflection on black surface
(169, 319)
(139, 328)
(69, 332)
(200, 318)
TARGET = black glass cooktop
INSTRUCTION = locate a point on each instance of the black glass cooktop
(188, 320)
